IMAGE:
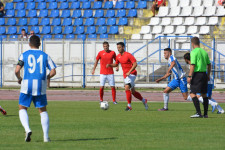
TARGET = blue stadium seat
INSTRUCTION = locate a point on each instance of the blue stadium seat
(43, 13)
(56, 22)
(64, 5)
(32, 13)
(2, 21)
(2, 30)
(100, 22)
(33, 22)
(113, 30)
(54, 13)
(78, 22)
(97, 5)
(83, 0)
(22, 22)
(10, 13)
(9, 6)
(57, 30)
(65, 13)
(75, 5)
(45, 22)
(102, 30)
(61, 0)
(130, 5)
(111, 21)
(35, 29)
(76, 13)
(13, 37)
(21, 13)
(110, 13)
(81, 37)
(53, 5)
(41, 5)
(132, 13)
(91, 30)
(92, 36)
(89, 22)
(88, 13)
(72, 0)
(46, 30)
(39, 0)
(119, 5)
(27, 1)
(79, 30)
(16, 1)
(121, 13)
(50, 0)
(12, 30)
(108, 5)
(30, 5)
(103, 36)
(86, 5)
(99, 13)
(48, 36)
(70, 36)
(11, 22)
(142, 5)
(123, 22)
(23, 27)
(58, 36)
(68, 30)
(67, 22)
(3, 37)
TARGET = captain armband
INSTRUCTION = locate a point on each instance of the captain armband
(20, 63)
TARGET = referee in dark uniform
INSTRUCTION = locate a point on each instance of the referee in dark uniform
(198, 78)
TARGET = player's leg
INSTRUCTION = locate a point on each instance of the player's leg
(3, 111)
(139, 97)
(102, 84)
(153, 9)
(128, 96)
(111, 81)
(183, 88)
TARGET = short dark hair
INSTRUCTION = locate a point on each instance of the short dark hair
(121, 43)
(168, 49)
(105, 42)
(23, 30)
(195, 41)
(35, 41)
(187, 56)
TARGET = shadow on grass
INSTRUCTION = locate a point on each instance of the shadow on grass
(88, 139)
(11, 115)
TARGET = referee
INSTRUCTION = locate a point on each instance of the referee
(198, 78)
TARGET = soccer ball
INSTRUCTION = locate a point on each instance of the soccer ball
(104, 105)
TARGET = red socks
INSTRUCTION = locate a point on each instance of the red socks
(114, 94)
(128, 94)
(101, 93)
(138, 95)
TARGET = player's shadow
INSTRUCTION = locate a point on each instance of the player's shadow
(88, 139)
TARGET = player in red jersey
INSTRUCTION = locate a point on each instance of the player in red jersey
(156, 5)
(106, 56)
(128, 63)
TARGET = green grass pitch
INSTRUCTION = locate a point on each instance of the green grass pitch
(84, 126)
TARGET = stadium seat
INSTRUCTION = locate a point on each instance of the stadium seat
(189, 21)
(111, 21)
(177, 21)
(180, 30)
(91, 30)
(61, 0)
(166, 21)
(27, 1)
(3, 37)
(147, 37)
(110, 13)
(88, 13)
(119, 5)
(103, 36)
(220, 11)
(86, 5)
(210, 11)
(186, 11)
(53, 5)
(21, 13)
(10, 13)
(54, 13)
(97, 5)
(72, 0)
(81, 37)
(50, 0)
(78, 22)
(58, 36)
(142, 5)
(70, 36)
(30, 5)
(9, 6)
(200, 21)
(32, 13)
(35, 29)
(92, 36)
(208, 3)
(48, 36)
(121, 13)
(57, 30)
(130, 5)
(75, 5)
(20, 6)
(174, 11)
(39, 1)
(12, 30)
(2, 21)
(79, 30)
(132, 13)
(145, 30)
(163, 11)
(33, 22)
(22, 22)
(2, 30)
(41, 5)
(157, 30)
(65, 13)
(168, 30)
(16, 1)
(89, 22)
(123, 22)
(13, 37)
(11, 22)
(23, 27)
(100, 22)
(154, 21)
(198, 11)
(102, 30)
(192, 30)
(204, 30)
(45, 22)
(173, 3)
(68, 30)
(184, 3)
(213, 21)
(76, 13)
(196, 3)
(99, 13)
(56, 22)
(43, 13)
(46, 30)
(135, 36)
(64, 5)
(67, 22)
(113, 30)
(108, 5)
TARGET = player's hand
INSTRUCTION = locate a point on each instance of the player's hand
(127, 73)
(20, 80)
(117, 68)
(157, 81)
(48, 83)
(208, 77)
(189, 80)
(93, 72)
(108, 65)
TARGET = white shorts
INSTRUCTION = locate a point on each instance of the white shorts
(109, 78)
(130, 80)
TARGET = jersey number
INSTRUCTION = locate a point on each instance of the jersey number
(32, 63)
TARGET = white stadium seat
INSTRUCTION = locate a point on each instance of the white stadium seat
(210, 11)
(181, 39)
(174, 11)
(186, 11)
(135, 36)
(168, 30)
(200, 21)
(189, 21)
(163, 11)
(173, 36)
(145, 30)
(208, 3)
(196, 3)
(185, 46)
(198, 11)
(213, 21)
(147, 37)
(166, 21)
(195, 35)
(173, 3)
(177, 21)
(184, 3)
(192, 30)
(204, 30)
(157, 30)
(154, 21)
(180, 30)
(220, 11)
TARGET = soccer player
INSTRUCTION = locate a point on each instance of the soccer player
(106, 56)
(128, 63)
(178, 81)
(157, 5)
(34, 84)
(212, 102)
(3, 111)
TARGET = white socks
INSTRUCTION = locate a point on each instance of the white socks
(45, 123)
(189, 98)
(129, 105)
(166, 100)
(24, 119)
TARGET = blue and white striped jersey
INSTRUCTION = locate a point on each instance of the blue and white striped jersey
(177, 70)
(35, 80)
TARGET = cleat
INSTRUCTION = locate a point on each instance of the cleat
(47, 140)
(115, 102)
(145, 104)
(163, 109)
(128, 108)
(205, 116)
(100, 102)
(27, 138)
(3, 111)
(196, 116)
(220, 112)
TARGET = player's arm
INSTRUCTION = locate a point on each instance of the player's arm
(17, 73)
(208, 71)
(50, 75)
(95, 65)
(112, 65)
(132, 68)
(117, 68)
(164, 77)
(173, 63)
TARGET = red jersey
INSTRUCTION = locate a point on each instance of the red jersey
(159, 2)
(126, 60)
(106, 58)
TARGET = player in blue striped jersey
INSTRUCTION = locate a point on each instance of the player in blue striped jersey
(179, 79)
(34, 84)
